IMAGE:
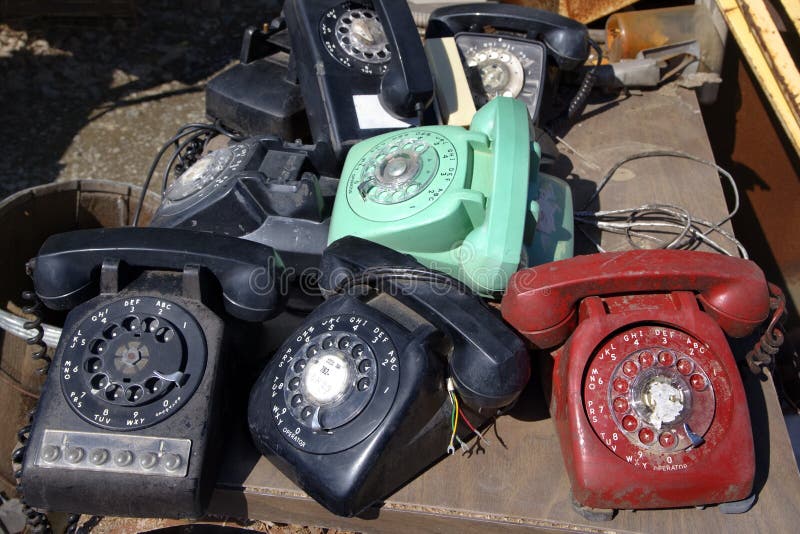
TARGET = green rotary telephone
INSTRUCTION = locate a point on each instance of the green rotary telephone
(468, 202)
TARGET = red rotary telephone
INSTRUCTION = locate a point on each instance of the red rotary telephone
(646, 397)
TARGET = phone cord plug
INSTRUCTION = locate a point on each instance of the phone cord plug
(763, 353)
(581, 98)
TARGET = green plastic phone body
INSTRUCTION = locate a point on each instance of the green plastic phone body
(464, 202)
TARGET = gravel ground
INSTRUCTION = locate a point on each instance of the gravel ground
(95, 98)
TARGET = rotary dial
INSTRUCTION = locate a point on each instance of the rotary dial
(500, 70)
(402, 175)
(503, 66)
(334, 383)
(353, 34)
(649, 397)
(132, 363)
(208, 174)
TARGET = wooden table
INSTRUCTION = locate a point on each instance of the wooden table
(524, 486)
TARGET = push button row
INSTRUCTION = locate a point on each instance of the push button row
(110, 452)
(100, 456)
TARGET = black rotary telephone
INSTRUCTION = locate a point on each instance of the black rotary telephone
(262, 190)
(130, 419)
(362, 70)
(376, 371)
(479, 52)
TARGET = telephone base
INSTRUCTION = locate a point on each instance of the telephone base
(738, 507)
(592, 514)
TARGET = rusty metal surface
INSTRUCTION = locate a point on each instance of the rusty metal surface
(580, 10)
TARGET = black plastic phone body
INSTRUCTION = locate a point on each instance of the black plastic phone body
(261, 190)
(566, 40)
(130, 419)
(355, 403)
(103, 458)
(488, 362)
(260, 94)
(349, 467)
(362, 70)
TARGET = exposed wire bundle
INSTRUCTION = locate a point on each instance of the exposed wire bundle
(668, 226)
(188, 143)
(457, 413)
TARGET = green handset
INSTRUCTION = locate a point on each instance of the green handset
(458, 200)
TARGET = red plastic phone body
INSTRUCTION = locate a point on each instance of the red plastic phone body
(639, 363)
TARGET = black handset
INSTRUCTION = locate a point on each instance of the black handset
(67, 267)
(361, 397)
(129, 422)
(566, 39)
(503, 49)
(488, 364)
(362, 70)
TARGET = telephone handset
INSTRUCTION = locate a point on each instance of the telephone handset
(646, 395)
(473, 64)
(68, 264)
(129, 422)
(362, 70)
(363, 381)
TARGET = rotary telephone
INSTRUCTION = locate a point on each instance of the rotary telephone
(646, 396)
(362, 70)
(465, 202)
(130, 419)
(357, 401)
(478, 53)
(262, 190)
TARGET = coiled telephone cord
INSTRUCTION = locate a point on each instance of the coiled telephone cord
(581, 98)
(769, 344)
(37, 521)
(34, 308)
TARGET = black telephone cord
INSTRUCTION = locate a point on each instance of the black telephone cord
(581, 98)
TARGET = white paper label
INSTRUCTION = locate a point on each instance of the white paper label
(372, 115)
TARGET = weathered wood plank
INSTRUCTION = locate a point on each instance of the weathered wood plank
(768, 57)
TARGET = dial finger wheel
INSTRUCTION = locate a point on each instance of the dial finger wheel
(132, 363)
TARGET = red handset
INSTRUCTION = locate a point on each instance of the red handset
(646, 397)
